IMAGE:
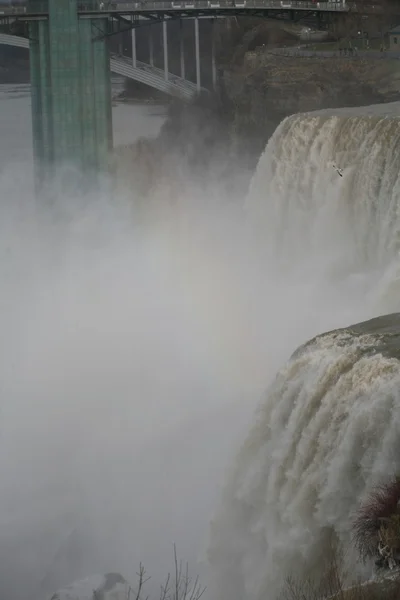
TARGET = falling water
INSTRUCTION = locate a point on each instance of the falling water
(326, 429)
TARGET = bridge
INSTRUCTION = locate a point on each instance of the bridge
(142, 72)
(169, 9)
(70, 63)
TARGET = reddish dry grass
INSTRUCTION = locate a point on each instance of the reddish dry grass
(374, 590)
(333, 583)
(381, 504)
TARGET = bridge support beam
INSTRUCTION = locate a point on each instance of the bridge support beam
(165, 48)
(42, 125)
(213, 63)
(197, 53)
(151, 47)
(182, 49)
(133, 44)
(71, 94)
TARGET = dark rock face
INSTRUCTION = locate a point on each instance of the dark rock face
(269, 87)
(195, 146)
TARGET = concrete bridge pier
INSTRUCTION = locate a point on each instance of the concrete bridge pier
(197, 53)
(165, 49)
(165, 52)
(134, 62)
(182, 50)
(151, 47)
(213, 63)
(71, 94)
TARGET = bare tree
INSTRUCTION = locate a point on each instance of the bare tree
(181, 586)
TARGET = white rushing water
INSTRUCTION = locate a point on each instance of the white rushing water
(133, 356)
(327, 428)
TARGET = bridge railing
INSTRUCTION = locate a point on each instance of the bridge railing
(16, 10)
(110, 6)
(208, 4)
(41, 8)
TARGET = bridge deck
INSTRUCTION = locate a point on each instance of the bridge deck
(100, 8)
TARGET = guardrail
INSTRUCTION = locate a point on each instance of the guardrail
(143, 72)
(13, 40)
(98, 6)
(154, 5)
(186, 86)
(153, 79)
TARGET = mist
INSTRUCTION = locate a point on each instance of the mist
(132, 357)
(126, 383)
(134, 350)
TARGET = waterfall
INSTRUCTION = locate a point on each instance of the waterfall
(304, 206)
(138, 337)
(326, 430)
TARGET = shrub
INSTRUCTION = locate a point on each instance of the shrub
(178, 586)
(378, 520)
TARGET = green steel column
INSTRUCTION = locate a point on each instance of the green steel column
(87, 91)
(41, 98)
(45, 93)
(95, 94)
(101, 72)
(71, 90)
(37, 130)
(64, 61)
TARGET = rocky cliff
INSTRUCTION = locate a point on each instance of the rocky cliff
(268, 86)
(264, 77)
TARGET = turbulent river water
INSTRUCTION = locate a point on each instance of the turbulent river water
(134, 354)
